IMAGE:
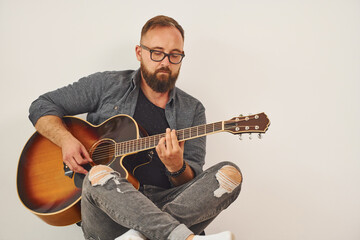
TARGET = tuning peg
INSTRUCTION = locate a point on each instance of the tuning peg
(240, 137)
(260, 136)
(250, 136)
(240, 115)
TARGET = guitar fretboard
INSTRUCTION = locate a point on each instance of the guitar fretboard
(149, 142)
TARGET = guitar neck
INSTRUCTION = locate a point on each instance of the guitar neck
(138, 145)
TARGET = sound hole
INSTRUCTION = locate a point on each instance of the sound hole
(103, 152)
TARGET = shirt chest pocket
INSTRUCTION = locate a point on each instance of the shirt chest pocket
(108, 110)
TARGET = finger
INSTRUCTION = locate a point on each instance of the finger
(169, 146)
(86, 155)
(174, 140)
(77, 161)
(80, 169)
(68, 164)
(67, 159)
(77, 167)
(160, 148)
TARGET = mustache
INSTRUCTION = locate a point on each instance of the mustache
(163, 69)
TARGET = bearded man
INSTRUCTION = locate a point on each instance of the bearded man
(176, 199)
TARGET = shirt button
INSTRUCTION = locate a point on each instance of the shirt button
(116, 107)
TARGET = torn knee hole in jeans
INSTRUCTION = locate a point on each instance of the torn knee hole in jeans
(101, 174)
(229, 178)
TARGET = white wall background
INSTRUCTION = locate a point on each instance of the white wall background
(297, 60)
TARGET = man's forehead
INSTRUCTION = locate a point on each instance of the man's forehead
(160, 34)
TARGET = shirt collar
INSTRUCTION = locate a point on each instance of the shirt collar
(136, 78)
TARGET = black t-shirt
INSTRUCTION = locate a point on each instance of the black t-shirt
(151, 118)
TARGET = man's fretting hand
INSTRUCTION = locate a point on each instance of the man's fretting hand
(170, 151)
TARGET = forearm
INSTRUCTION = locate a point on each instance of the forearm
(73, 152)
(53, 128)
(195, 149)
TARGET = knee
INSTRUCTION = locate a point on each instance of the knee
(229, 178)
(230, 169)
(100, 174)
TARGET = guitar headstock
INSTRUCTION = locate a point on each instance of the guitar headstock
(256, 123)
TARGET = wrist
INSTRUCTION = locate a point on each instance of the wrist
(175, 166)
(176, 173)
(66, 138)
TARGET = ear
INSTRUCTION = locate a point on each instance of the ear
(138, 52)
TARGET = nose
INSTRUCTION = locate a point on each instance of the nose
(165, 61)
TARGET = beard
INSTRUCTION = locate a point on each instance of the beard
(162, 83)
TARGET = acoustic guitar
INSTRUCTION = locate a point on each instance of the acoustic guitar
(49, 189)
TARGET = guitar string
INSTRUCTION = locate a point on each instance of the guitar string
(147, 142)
(138, 144)
(135, 145)
(143, 143)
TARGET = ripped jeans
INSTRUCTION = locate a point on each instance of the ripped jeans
(113, 207)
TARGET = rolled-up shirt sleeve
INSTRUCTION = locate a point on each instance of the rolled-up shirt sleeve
(195, 149)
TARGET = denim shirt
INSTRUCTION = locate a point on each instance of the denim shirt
(106, 94)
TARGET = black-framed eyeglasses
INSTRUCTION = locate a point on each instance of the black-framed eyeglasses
(158, 56)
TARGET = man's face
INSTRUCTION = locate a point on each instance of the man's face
(160, 76)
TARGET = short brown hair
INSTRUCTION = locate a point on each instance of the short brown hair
(162, 21)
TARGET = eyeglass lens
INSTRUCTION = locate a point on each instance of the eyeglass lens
(159, 56)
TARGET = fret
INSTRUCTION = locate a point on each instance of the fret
(132, 146)
(137, 144)
(180, 135)
(156, 140)
(208, 127)
(201, 130)
(219, 126)
(148, 142)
